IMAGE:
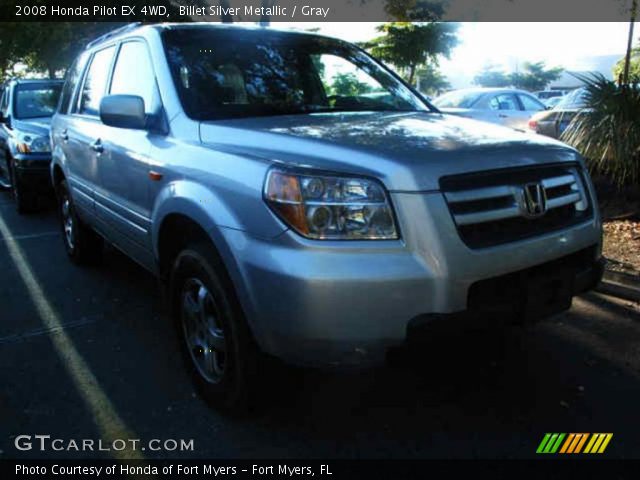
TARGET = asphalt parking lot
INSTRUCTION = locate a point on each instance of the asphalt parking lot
(89, 353)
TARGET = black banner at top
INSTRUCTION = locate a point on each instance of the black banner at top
(314, 10)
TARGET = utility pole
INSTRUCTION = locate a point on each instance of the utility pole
(627, 58)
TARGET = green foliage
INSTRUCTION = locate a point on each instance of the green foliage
(431, 81)
(534, 76)
(490, 76)
(634, 66)
(45, 48)
(348, 85)
(607, 132)
(414, 10)
(408, 46)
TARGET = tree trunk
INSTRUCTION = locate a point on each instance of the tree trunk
(52, 71)
(265, 20)
(226, 18)
(412, 73)
(627, 58)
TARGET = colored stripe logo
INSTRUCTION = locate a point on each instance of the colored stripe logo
(574, 443)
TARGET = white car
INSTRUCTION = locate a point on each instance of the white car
(504, 106)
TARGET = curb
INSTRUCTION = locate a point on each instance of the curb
(622, 285)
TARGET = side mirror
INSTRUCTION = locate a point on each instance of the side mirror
(123, 111)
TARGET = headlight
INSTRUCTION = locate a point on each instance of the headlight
(330, 207)
(30, 143)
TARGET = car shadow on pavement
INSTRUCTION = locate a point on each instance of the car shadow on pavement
(514, 380)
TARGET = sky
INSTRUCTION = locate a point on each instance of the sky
(508, 44)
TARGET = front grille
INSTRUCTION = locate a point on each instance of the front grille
(492, 208)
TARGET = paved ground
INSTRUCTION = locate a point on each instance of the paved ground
(86, 353)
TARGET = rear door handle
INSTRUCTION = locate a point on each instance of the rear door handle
(64, 135)
(97, 146)
(502, 115)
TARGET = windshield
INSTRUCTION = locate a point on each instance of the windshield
(36, 100)
(574, 100)
(221, 73)
(458, 99)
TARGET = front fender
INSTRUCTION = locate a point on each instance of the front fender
(209, 210)
(191, 200)
(214, 216)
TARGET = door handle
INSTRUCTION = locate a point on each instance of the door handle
(502, 115)
(64, 135)
(97, 146)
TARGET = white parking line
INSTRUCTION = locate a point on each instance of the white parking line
(36, 332)
(105, 415)
(33, 235)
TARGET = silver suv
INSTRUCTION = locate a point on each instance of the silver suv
(298, 200)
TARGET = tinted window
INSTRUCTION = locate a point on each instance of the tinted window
(133, 57)
(504, 101)
(71, 79)
(34, 100)
(530, 103)
(269, 73)
(96, 82)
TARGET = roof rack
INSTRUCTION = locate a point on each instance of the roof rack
(113, 33)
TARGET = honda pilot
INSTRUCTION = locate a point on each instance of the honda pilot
(26, 107)
(298, 200)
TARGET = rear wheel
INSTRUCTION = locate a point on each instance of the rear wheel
(216, 342)
(82, 244)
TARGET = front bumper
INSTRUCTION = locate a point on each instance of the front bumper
(340, 303)
(32, 171)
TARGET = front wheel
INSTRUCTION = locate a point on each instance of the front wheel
(82, 244)
(216, 342)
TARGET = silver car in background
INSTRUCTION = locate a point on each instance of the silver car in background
(504, 106)
(287, 216)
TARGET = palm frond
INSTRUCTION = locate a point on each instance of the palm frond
(607, 130)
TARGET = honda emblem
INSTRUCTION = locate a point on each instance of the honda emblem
(534, 200)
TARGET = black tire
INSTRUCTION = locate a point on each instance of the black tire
(25, 201)
(83, 245)
(198, 267)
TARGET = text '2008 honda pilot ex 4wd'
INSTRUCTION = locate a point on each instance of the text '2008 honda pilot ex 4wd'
(299, 200)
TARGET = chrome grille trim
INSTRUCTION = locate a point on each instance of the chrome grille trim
(487, 216)
(478, 194)
(511, 196)
(558, 181)
(501, 206)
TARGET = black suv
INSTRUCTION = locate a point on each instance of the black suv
(26, 107)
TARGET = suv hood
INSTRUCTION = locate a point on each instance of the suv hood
(36, 126)
(408, 151)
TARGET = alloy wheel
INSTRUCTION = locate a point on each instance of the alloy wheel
(202, 329)
(67, 222)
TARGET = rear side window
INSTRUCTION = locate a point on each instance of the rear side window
(71, 80)
(504, 101)
(95, 82)
(133, 74)
(530, 104)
